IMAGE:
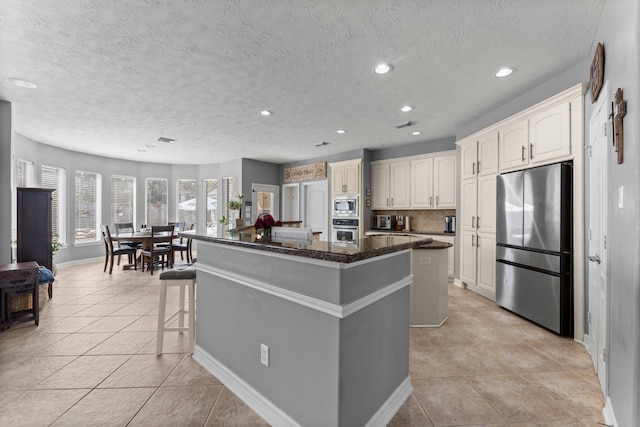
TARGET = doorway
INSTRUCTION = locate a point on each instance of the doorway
(315, 207)
(265, 199)
(598, 158)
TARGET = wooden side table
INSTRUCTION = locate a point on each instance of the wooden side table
(15, 280)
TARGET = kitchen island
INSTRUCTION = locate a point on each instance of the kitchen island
(313, 333)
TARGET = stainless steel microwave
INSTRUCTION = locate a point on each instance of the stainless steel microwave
(383, 222)
(345, 205)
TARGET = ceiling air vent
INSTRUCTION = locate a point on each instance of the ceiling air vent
(404, 125)
(167, 140)
(320, 144)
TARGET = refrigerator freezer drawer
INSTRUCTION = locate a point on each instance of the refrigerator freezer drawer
(539, 297)
(534, 259)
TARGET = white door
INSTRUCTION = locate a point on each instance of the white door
(315, 207)
(265, 199)
(291, 202)
(597, 155)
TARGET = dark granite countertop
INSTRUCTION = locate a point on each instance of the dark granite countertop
(365, 248)
(435, 233)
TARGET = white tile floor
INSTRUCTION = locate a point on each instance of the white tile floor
(92, 361)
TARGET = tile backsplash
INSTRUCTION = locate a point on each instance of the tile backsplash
(424, 220)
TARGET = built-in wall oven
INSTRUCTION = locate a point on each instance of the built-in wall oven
(345, 230)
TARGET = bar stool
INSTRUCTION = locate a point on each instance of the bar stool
(185, 277)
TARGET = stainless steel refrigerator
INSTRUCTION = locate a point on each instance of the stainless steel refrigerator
(534, 243)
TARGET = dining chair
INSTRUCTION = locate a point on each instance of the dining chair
(182, 245)
(125, 227)
(111, 252)
(160, 247)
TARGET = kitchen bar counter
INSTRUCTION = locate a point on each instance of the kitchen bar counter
(433, 233)
(307, 334)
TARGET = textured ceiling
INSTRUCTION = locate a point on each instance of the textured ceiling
(114, 75)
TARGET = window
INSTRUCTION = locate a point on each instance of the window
(88, 202)
(211, 207)
(156, 196)
(53, 177)
(186, 191)
(25, 173)
(123, 199)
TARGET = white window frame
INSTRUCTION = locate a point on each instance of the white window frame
(165, 201)
(211, 225)
(59, 201)
(116, 179)
(182, 197)
(29, 174)
(97, 220)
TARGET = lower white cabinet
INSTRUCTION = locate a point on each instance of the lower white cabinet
(478, 262)
(450, 252)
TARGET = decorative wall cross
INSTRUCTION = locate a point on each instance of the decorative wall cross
(619, 111)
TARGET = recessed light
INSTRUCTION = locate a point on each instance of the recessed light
(266, 112)
(504, 72)
(142, 151)
(382, 68)
(416, 133)
(22, 82)
(406, 108)
(341, 131)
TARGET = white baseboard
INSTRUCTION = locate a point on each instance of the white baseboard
(274, 415)
(430, 326)
(457, 282)
(607, 414)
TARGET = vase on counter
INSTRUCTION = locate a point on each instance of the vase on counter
(266, 232)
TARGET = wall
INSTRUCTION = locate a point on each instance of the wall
(6, 182)
(619, 32)
(418, 148)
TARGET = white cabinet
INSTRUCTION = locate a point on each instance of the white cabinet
(468, 205)
(468, 257)
(444, 181)
(486, 212)
(422, 183)
(486, 265)
(479, 156)
(542, 138)
(550, 134)
(345, 177)
(514, 145)
(433, 181)
(391, 184)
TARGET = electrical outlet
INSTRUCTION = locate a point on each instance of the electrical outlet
(425, 260)
(264, 354)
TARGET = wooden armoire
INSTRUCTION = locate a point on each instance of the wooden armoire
(34, 225)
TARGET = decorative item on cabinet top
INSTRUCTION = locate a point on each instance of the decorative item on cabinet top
(305, 172)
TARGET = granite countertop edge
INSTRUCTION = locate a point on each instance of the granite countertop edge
(326, 255)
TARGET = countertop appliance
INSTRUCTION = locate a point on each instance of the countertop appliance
(533, 245)
(345, 206)
(450, 224)
(345, 230)
(383, 222)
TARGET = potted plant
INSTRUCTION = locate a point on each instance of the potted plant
(54, 248)
(236, 205)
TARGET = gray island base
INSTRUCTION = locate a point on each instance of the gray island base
(312, 335)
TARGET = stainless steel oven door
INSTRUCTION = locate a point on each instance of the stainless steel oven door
(345, 234)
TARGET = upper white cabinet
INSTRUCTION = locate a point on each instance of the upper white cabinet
(433, 181)
(550, 134)
(391, 184)
(514, 145)
(541, 138)
(479, 156)
(345, 177)
(444, 181)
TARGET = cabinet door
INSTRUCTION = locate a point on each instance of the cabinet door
(380, 186)
(400, 185)
(422, 183)
(352, 178)
(486, 275)
(513, 147)
(444, 181)
(468, 257)
(486, 218)
(468, 158)
(468, 202)
(337, 179)
(487, 154)
(550, 135)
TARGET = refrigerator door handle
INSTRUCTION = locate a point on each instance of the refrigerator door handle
(595, 258)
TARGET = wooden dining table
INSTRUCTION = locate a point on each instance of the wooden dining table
(143, 237)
